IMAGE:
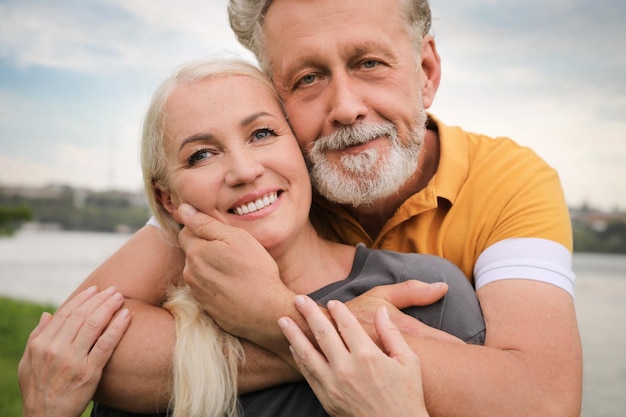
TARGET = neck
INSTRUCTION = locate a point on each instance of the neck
(310, 262)
(373, 218)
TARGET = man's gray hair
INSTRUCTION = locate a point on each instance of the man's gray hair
(247, 17)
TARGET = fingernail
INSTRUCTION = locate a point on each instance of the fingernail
(187, 210)
(110, 290)
(124, 313)
(299, 300)
(283, 322)
(437, 285)
(331, 304)
(385, 312)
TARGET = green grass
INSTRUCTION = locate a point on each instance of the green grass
(17, 320)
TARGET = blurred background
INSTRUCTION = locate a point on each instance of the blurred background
(76, 77)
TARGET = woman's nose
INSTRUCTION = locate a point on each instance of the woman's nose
(243, 168)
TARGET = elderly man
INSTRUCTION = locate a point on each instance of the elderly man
(356, 78)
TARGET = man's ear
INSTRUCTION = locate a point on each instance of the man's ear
(166, 200)
(431, 70)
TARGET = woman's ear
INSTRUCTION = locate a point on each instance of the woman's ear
(166, 200)
(431, 70)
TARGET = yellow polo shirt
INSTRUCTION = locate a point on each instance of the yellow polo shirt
(485, 191)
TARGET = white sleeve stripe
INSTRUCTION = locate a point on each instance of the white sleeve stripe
(526, 258)
(152, 221)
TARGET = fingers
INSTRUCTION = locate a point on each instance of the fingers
(322, 328)
(410, 293)
(335, 344)
(200, 225)
(352, 333)
(43, 322)
(61, 315)
(393, 342)
(96, 314)
(310, 362)
(81, 321)
(103, 349)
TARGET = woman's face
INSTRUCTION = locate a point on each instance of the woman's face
(231, 154)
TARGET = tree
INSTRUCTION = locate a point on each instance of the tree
(12, 217)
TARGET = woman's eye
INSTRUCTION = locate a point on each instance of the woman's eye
(263, 133)
(199, 156)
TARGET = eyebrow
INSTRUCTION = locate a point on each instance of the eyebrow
(203, 137)
(199, 137)
(247, 120)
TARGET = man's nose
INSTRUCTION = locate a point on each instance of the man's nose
(346, 101)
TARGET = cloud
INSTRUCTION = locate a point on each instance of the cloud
(76, 76)
(89, 167)
(548, 74)
(91, 144)
(109, 36)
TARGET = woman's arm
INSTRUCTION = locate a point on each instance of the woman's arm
(137, 377)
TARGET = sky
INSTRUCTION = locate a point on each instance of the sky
(76, 77)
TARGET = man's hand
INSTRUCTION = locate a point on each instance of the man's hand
(233, 277)
(396, 297)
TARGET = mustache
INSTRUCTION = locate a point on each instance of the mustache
(354, 135)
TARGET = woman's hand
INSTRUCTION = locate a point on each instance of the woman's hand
(352, 376)
(66, 352)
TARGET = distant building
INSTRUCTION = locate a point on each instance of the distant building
(598, 220)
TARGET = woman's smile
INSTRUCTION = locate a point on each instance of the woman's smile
(258, 204)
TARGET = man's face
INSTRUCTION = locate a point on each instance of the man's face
(339, 64)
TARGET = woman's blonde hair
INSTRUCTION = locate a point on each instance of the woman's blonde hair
(205, 357)
(153, 160)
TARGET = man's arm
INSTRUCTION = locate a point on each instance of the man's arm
(137, 376)
(142, 269)
(531, 363)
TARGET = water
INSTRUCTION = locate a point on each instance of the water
(47, 267)
(601, 311)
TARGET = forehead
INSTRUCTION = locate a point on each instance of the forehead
(309, 30)
(221, 93)
(217, 104)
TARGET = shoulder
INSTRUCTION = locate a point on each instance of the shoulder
(423, 267)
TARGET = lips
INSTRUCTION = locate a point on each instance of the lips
(258, 204)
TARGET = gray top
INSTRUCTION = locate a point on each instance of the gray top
(458, 313)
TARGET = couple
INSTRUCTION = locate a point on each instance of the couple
(216, 137)
(491, 207)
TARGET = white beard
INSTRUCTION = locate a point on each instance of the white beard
(362, 179)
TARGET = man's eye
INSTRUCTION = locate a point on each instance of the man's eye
(307, 79)
(370, 64)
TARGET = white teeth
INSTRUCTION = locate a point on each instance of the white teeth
(251, 207)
